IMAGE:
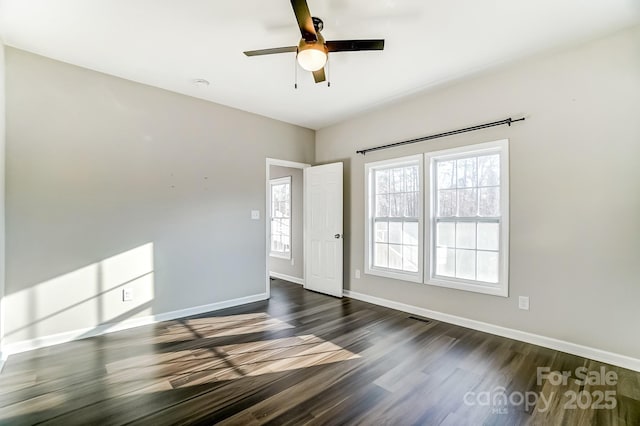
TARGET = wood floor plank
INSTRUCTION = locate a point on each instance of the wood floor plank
(305, 358)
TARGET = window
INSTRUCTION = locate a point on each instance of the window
(465, 241)
(394, 212)
(468, 229)
(281, 217)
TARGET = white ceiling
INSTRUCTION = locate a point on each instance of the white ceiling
(169, 43)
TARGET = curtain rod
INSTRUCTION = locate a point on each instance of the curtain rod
(506, 121)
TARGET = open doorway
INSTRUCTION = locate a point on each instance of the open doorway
(285, 246)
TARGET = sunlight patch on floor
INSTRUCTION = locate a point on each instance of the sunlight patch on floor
(228, 362)
(212, 327)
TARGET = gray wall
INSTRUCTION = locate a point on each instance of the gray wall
(575, 189)
(283, 266)
(114, 184)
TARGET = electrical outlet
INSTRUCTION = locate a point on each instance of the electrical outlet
(127, 294)
(255, 214)
(358, 274)
(523, 302)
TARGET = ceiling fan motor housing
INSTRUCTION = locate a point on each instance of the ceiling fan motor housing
(317, 45)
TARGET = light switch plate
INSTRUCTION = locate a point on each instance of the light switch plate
(127, 294)
(255, 214)
(523, 302)
(357, 273)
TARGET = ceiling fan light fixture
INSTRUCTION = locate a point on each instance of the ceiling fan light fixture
(312, 57)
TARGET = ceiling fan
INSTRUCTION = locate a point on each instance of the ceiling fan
(312, 50)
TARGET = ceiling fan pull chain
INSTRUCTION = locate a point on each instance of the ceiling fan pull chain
(295, 71)
(328, 72)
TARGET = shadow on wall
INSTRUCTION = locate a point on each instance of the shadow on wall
(85, 298)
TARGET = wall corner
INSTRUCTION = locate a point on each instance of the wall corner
(2, 196)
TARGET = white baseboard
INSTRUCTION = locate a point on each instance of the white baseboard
(523, 336)
(56, 339)
(285, 277)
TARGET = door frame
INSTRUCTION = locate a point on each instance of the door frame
(294, 165)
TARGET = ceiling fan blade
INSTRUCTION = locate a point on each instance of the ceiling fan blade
(354, 45)
(319, 76)
(271, 51)
(301, 10)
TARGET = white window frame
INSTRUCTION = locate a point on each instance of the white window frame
(370, 212)
(272, 183)
(502, 287)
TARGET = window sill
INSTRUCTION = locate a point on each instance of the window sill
(281, 256)
(494, 290)
(414, 277)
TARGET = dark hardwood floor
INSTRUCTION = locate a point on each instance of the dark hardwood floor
(306, 358)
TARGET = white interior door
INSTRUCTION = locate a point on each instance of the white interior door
(323, 228)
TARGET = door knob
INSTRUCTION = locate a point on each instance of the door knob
(337, 236)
